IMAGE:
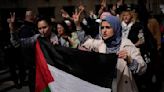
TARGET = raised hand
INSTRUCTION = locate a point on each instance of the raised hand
(81, 8)
(11, 21)
(120, 2)
(75, 16)
(103, 3)
(103, 6)
(64, 13)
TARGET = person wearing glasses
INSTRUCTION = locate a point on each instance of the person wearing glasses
(129, 60)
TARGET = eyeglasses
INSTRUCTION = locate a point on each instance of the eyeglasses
(105, 27)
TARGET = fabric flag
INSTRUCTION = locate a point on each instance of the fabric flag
(62, 69)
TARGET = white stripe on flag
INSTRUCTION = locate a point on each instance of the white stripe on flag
(65, 82)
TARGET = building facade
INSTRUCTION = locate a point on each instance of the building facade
(52, 7)
(49, 7)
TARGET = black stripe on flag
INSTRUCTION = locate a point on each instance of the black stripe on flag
(96, 68)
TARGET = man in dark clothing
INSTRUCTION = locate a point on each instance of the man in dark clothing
(25, 57)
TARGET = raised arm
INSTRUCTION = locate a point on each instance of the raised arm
(103, 6)
(77, 13)
(64, 13)
(15, 40)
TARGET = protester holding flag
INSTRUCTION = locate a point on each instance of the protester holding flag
(61, 69)
(129, 57)
(44, 28)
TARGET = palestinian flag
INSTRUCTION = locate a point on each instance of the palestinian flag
(61, 69)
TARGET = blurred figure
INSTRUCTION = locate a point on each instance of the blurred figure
(44, 28)
(154, 28)
(53, 22)
(134, 30)
(25, 56)
(27, 29)
(67, 35)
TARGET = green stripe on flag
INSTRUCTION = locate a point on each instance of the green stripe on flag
(47, 89)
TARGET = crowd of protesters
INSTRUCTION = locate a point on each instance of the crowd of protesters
(137, 38)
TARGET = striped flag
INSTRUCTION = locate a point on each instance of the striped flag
(62, 69)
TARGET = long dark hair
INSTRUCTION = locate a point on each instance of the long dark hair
(43, 18)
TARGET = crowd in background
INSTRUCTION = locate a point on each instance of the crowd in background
(84, 30)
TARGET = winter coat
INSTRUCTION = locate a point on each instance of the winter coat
(124, 81)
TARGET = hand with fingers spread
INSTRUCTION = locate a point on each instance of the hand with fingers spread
(11, 21)
(77, 13)
(75, 16)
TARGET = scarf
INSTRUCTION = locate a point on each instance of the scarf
(126, 28)
(113, 43)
